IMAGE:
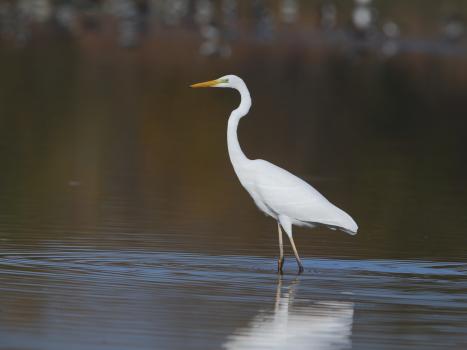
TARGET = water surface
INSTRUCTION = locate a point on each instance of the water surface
(83, 297)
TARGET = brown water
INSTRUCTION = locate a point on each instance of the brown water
(122, 225)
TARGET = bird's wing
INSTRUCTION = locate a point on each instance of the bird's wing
(288, 195)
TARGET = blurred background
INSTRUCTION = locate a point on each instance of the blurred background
(102, 142)
(123, 225)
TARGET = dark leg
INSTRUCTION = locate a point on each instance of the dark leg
(300, 266)
(280, 262)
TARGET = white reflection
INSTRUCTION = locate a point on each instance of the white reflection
(324, 325)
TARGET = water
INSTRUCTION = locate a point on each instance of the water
(83, 297)
(122, 225)
(112, 274)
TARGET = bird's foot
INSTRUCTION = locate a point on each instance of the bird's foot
(300, 269)
(280, 265)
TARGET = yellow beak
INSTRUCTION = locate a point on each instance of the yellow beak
(206, 84)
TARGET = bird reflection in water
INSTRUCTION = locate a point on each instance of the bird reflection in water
(321, 325)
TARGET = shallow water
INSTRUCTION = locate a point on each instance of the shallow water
(102, 298)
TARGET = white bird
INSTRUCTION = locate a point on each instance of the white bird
(278, 193)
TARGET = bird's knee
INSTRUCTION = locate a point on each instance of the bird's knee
(286, 224)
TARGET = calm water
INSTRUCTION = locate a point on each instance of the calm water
(83, 297)
(117, 275)
(122, 225)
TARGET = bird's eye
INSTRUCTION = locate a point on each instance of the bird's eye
(225, 80)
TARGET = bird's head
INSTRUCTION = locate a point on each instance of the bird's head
(227, 81)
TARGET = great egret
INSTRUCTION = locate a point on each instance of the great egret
(278, 193)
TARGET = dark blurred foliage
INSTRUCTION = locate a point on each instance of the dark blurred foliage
(388, 26)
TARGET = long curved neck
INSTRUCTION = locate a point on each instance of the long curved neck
(237, 157)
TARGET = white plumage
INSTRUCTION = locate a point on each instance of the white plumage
(278, 193)
(289, 199)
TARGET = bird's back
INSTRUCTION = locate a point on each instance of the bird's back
(283, 193)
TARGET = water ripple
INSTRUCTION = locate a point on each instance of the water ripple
(134, 299)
